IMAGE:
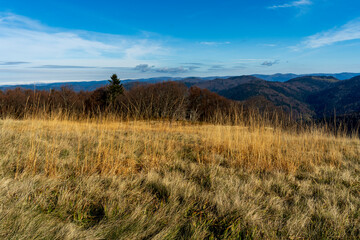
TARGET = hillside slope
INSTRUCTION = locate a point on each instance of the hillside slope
(291, 96)
(310, 96)
(219, 84)
(342, 97)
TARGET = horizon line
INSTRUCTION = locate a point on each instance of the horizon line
(5, 84)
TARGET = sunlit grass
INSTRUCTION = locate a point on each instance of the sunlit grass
(53, 147)
(113, 179)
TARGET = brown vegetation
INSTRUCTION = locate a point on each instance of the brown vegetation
(73, 167)
(167, 100)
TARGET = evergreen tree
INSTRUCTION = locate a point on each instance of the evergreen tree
(115, 88)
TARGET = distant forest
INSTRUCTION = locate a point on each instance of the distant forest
(300, 100)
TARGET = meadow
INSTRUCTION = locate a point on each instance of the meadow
(109, 178)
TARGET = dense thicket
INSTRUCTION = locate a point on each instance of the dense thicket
(167, 100)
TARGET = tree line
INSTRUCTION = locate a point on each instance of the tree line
(166, 100)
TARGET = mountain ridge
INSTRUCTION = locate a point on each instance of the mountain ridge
(306, 96)
(92, 85)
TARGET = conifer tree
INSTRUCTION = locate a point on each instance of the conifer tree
(115, 88)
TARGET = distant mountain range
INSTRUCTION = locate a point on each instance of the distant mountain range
(280, 77)
(85, 85)
(92, 85)
(313, 95)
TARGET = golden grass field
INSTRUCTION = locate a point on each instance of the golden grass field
(108, 179)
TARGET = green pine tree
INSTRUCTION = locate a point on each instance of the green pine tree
(115, 88)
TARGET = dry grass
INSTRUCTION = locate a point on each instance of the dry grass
(151, 179)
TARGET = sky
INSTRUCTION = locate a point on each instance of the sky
(78, 40)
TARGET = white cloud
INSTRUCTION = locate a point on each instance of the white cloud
(171, 70)
(250, 60)
(28, 40)
(298, 3)
(268, 45)
(349, 31)
(144, 47)
(12, 20)
(214, 43)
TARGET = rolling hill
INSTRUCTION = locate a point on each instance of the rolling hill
(281, 77)
(344, 97)
(220, 84)
(309, 96)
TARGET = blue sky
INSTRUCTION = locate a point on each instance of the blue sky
(43, 41)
